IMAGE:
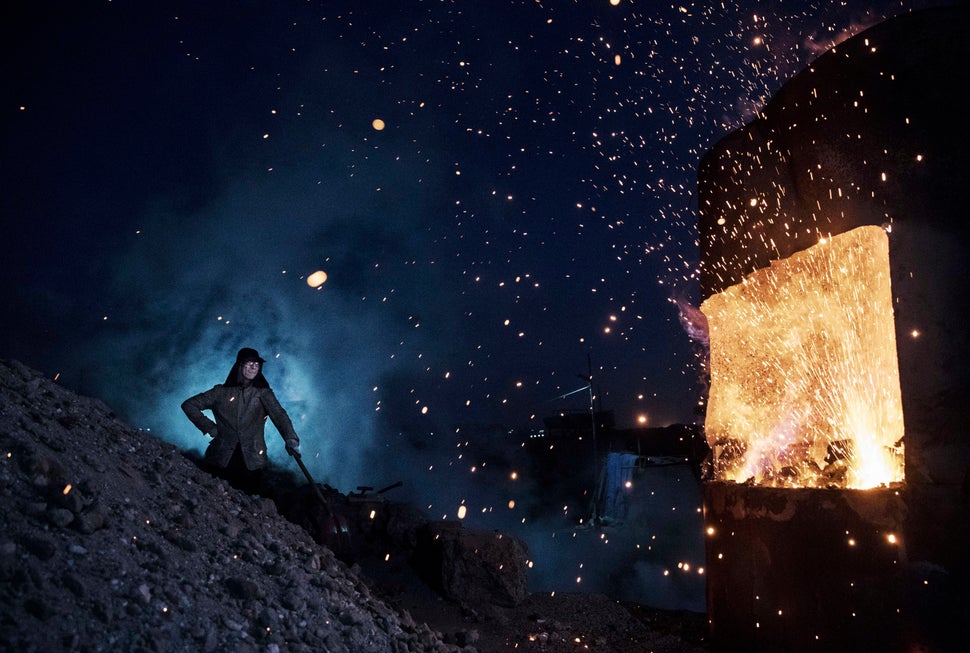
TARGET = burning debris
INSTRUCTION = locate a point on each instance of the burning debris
(804, 379)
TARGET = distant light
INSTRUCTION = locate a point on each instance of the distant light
(614, 2)
(462, 510)
(316, 279)
(378, 124)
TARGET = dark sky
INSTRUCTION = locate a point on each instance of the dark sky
(172, 173)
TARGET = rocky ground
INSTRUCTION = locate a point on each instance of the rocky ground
(113, 540)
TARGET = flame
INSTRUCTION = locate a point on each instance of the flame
(804, 377)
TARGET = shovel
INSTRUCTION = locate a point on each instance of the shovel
(334, 532)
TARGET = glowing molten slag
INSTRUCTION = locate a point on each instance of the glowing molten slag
(804, 377)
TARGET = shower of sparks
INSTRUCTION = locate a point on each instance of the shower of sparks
(804, 379)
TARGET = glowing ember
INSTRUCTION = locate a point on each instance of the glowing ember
(804, 379)
(317, 279)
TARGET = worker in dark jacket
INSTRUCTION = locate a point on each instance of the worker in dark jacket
(240, 406)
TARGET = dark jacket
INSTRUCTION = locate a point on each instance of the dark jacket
(240, 414)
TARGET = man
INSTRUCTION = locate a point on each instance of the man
(240, 406)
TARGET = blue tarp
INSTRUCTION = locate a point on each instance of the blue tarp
(619, 472)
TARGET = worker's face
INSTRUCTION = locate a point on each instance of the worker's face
(250, 370)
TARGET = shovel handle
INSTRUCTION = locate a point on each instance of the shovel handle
(306, 472)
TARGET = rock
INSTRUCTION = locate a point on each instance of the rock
(349, 617)
(70, 498)
(469, 637)
(474, 568)
(91, 520)
(60, 517)
(39, 546)
(38, 608)
(143, 593)
(75, 584)
(34, 508)
(267, 618)
(243, 588)
(232, 624)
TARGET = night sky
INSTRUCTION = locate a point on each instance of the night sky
(173, 172)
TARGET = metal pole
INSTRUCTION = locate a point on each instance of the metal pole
(592, 408)
(592, 416)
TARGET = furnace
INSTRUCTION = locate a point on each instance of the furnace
(834, 257)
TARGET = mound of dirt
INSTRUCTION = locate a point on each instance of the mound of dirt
(111, 539)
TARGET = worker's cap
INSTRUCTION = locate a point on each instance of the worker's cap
(247, 354)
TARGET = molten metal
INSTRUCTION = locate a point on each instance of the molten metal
(804, 377)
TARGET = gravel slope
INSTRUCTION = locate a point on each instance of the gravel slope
(113, 540)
